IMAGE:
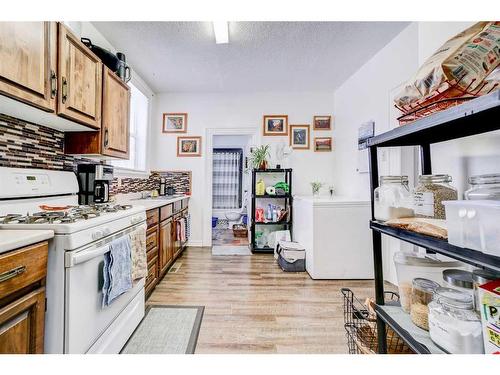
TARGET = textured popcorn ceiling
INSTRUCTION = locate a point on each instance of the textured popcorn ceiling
(260, 56)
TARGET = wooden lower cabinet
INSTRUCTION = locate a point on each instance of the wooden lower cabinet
(22, 299)
(165, 247)
(161, 243)
(22, 324)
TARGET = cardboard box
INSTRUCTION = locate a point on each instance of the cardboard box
(489, 297)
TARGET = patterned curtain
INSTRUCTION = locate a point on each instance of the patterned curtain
(226, 178)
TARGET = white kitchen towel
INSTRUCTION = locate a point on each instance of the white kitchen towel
(139, 257)
(117, 270)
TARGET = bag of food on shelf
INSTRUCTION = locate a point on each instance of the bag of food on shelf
(466, 59)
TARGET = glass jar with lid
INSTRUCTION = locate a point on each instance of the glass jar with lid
(430, 193)
(459, 279)
(422, 292)
(453, 324)
(392, 199)
(485, 186)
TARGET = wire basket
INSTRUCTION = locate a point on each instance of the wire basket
(360, 323)
(448, 95)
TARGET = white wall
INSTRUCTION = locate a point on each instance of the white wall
(367, 95)
(228, 110)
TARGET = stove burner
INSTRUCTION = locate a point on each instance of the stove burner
(58, 217)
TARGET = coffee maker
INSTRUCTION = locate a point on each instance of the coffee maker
(93, 181)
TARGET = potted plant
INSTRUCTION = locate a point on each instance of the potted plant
(259, 157)
(315, 187)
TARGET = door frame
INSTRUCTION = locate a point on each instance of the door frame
(255, 138)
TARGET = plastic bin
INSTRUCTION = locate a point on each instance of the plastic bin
(474, 224)
(410, 266)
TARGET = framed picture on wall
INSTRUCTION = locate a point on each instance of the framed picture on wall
(322, 144)
(188, 146)
(299, 137)
(275, 125)
(174, 122)
(322, 122)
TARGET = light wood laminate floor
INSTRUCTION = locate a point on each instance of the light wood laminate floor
(251, 306)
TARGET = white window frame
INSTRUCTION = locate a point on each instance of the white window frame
(132, 172)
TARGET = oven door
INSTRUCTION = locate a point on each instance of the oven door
(85, 320)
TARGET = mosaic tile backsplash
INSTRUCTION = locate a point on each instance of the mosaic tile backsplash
(179, 180)
(27, 145)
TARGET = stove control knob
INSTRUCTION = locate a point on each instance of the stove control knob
(135, 220)
(97, 234)
(106, 231)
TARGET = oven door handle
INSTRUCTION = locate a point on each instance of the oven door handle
(74, 258)
(84, 256)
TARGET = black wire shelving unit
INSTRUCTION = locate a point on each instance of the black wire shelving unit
(288, 198)
(474, 117)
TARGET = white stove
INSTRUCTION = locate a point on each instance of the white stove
(75, 321)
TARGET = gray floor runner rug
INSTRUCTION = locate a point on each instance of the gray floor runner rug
(166, 329)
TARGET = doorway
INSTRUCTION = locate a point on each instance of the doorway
(228, 185)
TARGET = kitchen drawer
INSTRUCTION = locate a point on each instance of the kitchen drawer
(23, 267)
(166, 211)
(151, 254)
(177, 206)
(152, 237)
(152, 217)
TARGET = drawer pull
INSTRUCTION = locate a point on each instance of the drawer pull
(12, 273)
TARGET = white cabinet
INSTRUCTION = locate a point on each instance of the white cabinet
(336, 237)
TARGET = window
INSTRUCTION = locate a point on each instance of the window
(227, 178)
(139, 119)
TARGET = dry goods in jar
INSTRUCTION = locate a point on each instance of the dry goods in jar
(421, 295)
(430, 193)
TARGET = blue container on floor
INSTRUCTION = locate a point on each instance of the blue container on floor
(214, 221)
(245, 219)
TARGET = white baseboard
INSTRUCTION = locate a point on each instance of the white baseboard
(195, 243)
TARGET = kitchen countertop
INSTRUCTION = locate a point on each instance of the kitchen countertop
(14, 239)
(149, 203)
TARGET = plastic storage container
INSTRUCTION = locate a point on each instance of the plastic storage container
(392, 199)
(410, 266)
(484, 187)
(453, 324)
(474, 224)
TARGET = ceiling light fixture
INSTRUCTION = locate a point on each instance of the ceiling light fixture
(221, 31)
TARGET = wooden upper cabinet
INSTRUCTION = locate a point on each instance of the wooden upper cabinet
(116, 115)
(79, 81)
(28, 52)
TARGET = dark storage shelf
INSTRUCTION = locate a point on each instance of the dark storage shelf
(476, 116)
(474, 257)
(416, 338)
(288, 205)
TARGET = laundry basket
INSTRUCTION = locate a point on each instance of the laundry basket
(360, 323)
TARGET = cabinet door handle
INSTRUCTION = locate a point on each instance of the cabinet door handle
(53, 84)
(12, 273)
(106, 138)
(64, 89)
